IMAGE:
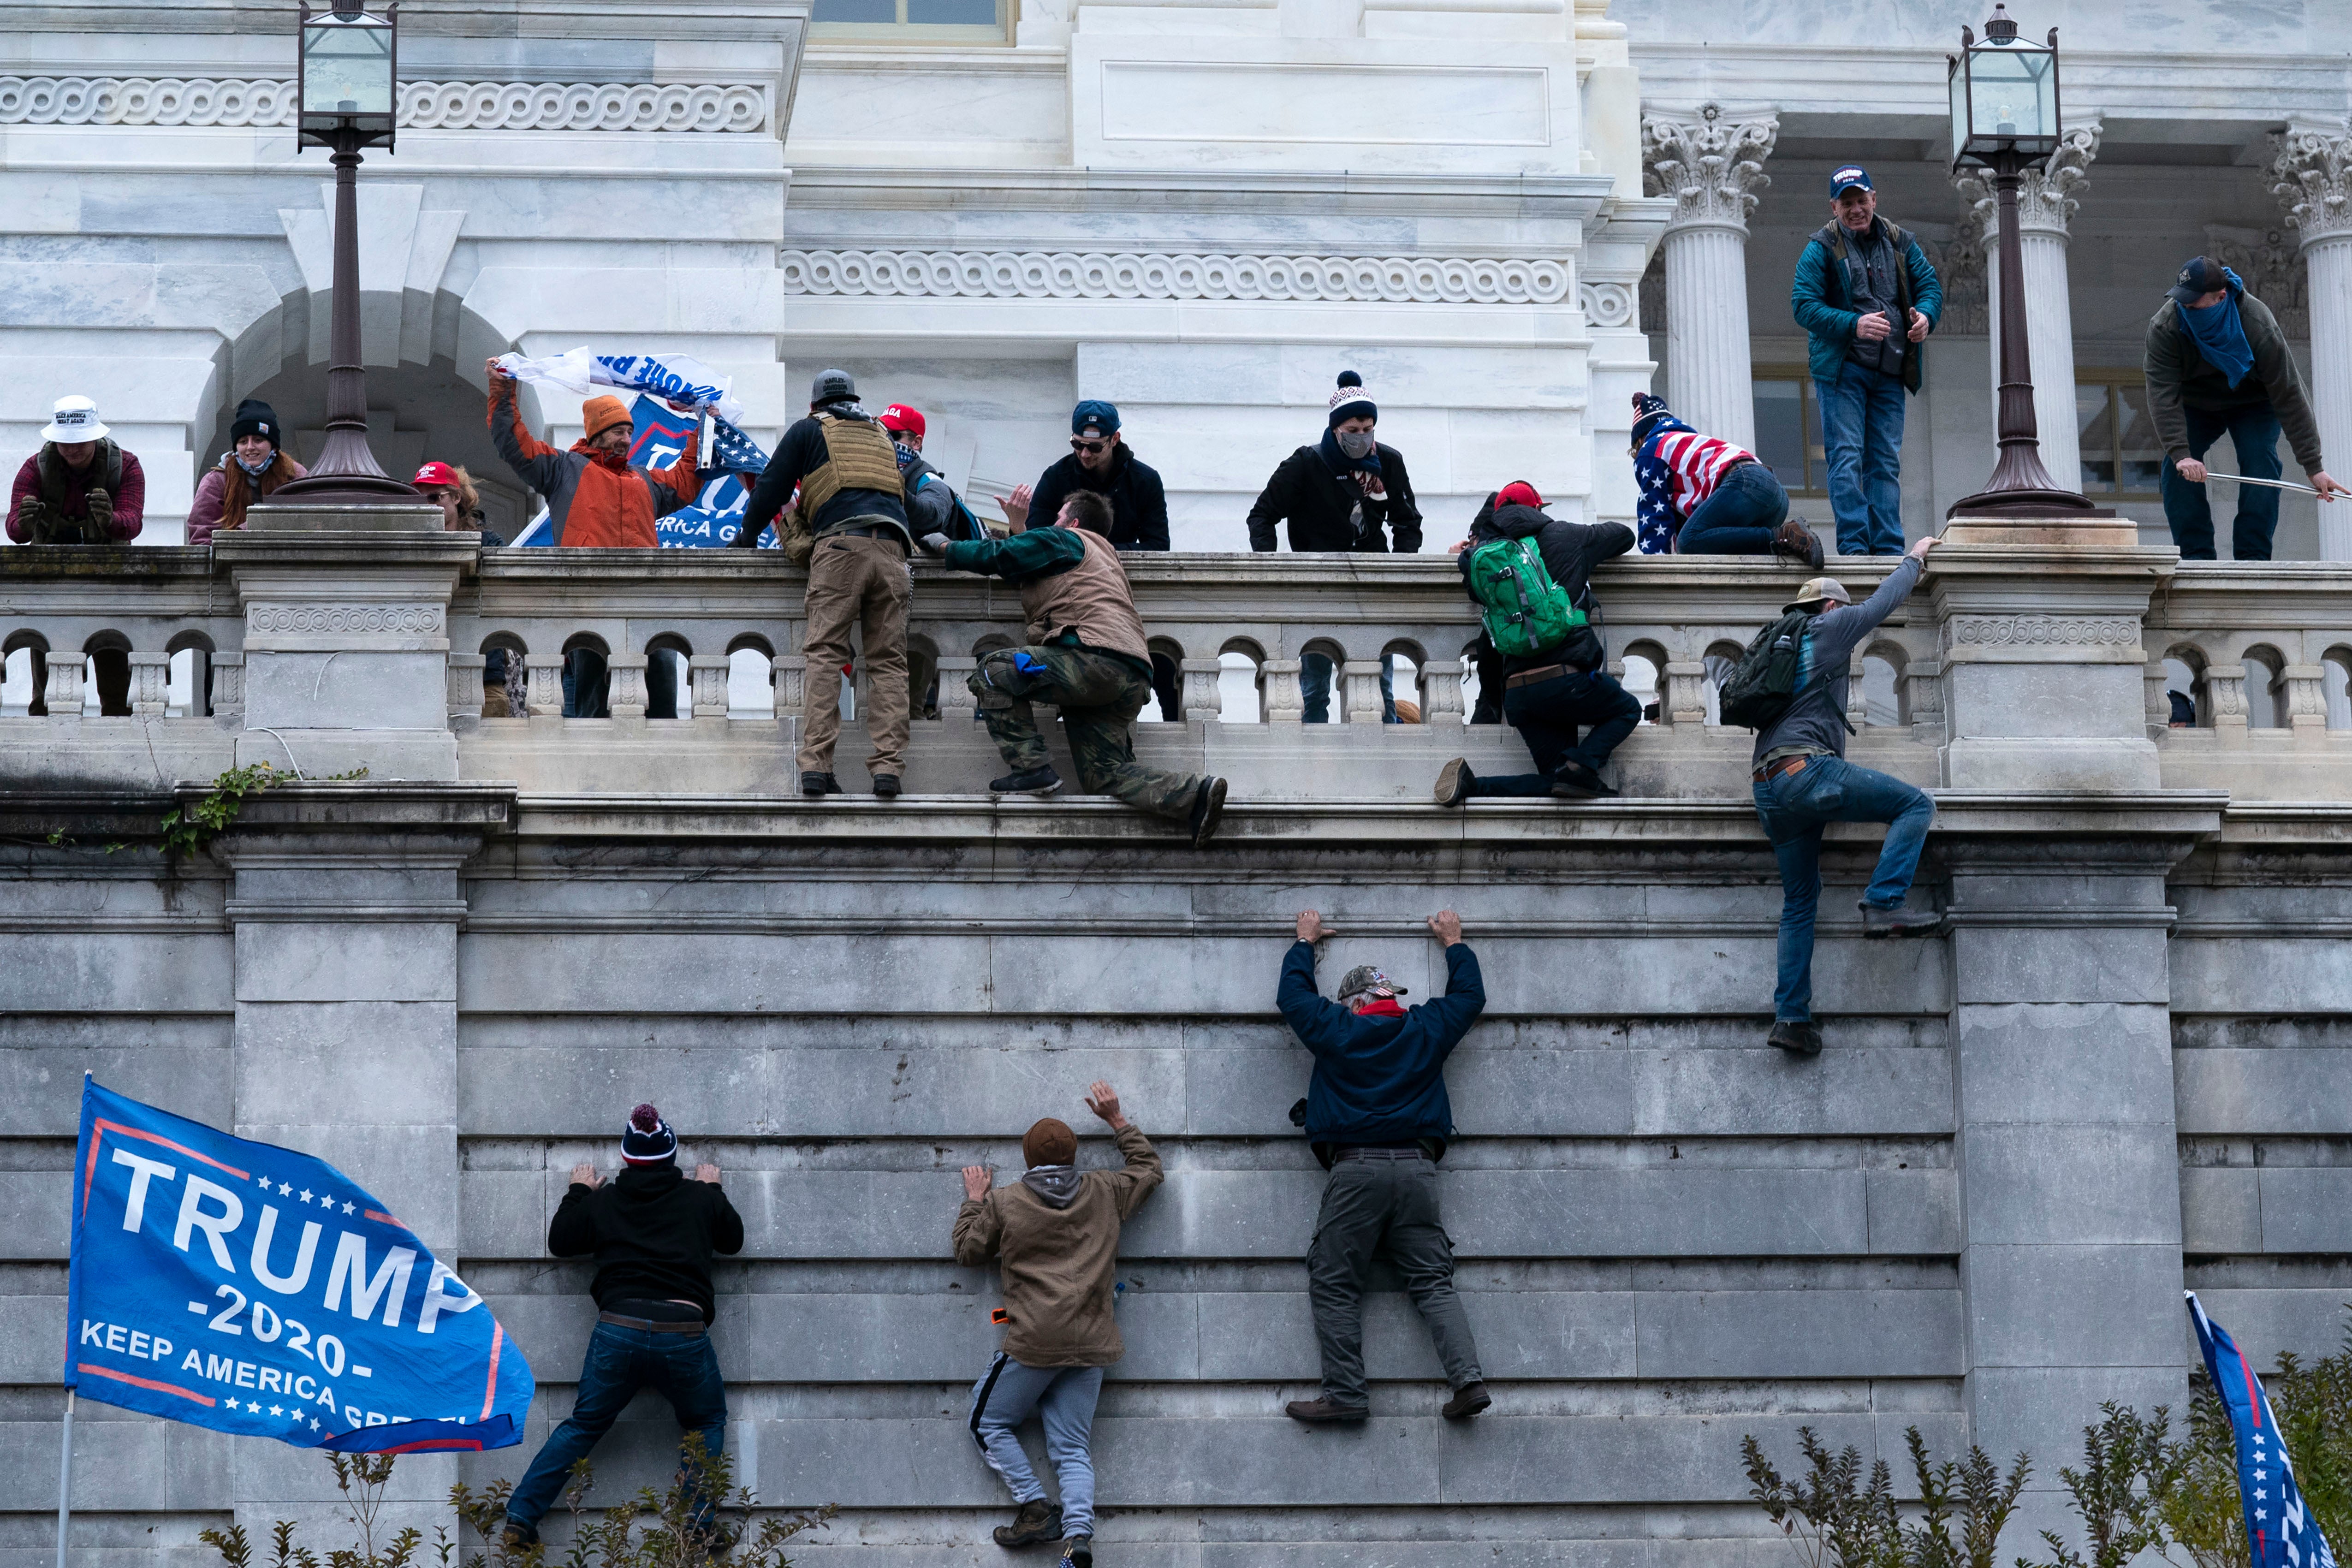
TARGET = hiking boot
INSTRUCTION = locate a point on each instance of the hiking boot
(1797, 1039)
(1036, 1522)
(1574, 781)
(1039, 781)
(1208, 810)
(1079, 1549)
(886, 785)
(1899, 922)
(518, 1536)
(1324, 1410)
(1798, 542)
(1453, 782)
(1467, 1400)
(815, 784)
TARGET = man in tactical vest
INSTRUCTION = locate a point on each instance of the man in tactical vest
(79, 488)
(1086, 654)
(853, 504)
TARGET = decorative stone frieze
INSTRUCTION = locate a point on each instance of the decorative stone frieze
(2311, 175)
(2102, 632)
(397, 620)
(1961, 269)
(1606, 304)
(2271, 262)
(1070, 275)
(1710, 162)
(424, 105)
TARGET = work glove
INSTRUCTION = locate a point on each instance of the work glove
(101, 515)
(32, 520)
(935, 545)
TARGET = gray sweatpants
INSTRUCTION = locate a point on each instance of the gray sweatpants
(1063, 1398)
(1384, 1208)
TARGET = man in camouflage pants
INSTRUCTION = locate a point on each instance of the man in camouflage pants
(1086, 654)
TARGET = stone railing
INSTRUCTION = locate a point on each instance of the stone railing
(2011, 665)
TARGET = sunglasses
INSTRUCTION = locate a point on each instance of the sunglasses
(1089, 448)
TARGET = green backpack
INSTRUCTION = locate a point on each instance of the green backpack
(1524, 610)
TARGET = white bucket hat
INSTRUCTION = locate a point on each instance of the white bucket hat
(74, 419)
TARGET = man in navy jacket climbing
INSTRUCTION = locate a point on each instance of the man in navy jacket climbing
(1377, 1119)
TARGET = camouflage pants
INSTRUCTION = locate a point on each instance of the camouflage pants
(1099, 697)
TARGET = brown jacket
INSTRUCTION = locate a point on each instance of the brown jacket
(2179, 376)
(1091, 598)
(1057, 1263)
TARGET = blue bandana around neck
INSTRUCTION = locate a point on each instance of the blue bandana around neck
(1340, 463)
(254, 470)
(2220, 335)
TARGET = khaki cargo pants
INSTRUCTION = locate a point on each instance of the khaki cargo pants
(862, 583)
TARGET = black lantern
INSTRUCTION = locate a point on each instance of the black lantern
(2005, 119)
(348, 90)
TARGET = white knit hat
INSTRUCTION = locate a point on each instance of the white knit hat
(72, 420)
(1352, 398)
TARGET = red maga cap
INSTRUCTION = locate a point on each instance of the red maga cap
(899, 416)
(1519, 492)
(437, 474)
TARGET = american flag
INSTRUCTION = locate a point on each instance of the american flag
(733, 450)
(1676, 470)
(2280, 1531)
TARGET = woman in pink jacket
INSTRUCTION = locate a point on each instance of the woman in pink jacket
(254, 467)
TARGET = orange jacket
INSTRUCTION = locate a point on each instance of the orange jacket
(592, 498)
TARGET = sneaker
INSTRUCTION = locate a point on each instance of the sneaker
(1079, 1549)
(1574, 781)
(1033, 1524)
(1467, 1400)
(1039, 781)
(1453, 782)
(886, 786)
(1798, 542)
(1208, 810)
(1798, 1039)
(1899, 922)
(814, 784)
(1324, 1410)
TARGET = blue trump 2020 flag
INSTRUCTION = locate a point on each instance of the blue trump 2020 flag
(2280, 1532)
(252, 1289)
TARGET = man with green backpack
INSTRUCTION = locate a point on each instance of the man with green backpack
(1530, 576)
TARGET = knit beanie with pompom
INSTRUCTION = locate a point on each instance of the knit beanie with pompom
(648, 1139)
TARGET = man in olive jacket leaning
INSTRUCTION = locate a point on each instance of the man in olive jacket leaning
(1056, 1232)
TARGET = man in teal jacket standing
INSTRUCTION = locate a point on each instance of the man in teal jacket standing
(1868, 298)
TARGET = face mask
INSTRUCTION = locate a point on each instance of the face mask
(256, 469)
(1356, 443)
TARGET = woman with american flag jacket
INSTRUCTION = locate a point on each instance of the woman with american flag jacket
(1701, 496)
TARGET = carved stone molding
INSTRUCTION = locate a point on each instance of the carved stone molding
(2311, 175)
(1067, 275)
(317, 620)
(1710, 162)
(1607, 304)
(424, 105)
(2046, 197)
(2271, 262)
(2039, 631)
(1960, 268)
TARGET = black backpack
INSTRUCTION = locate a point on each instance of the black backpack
(1765, 684)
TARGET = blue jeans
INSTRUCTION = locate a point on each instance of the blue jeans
(2254, 433)
(1548, 713)
(681, 1368)
(1315, 686)
(1064, 1399)
(1793, 808)
(1862, 428)
(1740, 518)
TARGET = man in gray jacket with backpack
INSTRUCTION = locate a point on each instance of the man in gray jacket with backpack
(1530, 576)
(1790, 687)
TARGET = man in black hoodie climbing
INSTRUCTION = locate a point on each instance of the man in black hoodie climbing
(652, 1233)
(1551, 693)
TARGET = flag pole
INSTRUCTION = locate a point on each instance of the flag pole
(65, 1481)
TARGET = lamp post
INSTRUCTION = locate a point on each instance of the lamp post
(349, 99)
(2005, 119)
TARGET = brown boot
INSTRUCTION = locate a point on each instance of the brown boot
(1037, 1522)
(1467, 1400)
(1798, 542)
(1324, 1409)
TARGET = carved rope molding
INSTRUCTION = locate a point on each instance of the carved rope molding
(1071, 274)
(2040, 631)
(424, 105)
(409, 620)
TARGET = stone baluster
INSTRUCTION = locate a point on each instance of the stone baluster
(1711, 161)
(466, 685)
(1683, 701)
(1278, 694)
(2225, 689)
(1362, 676)
(2311, 174)
(957, 704)
(2046, 202)
(544, 676)
(2159, 701)
(1923, 682)
(1440, 690)
(627, 696)
(229, 686)
(2306, 697)
(707, 676)
(64, 695)
(150, 685)
(1203, 695)
(790, 671)
(1857, 699)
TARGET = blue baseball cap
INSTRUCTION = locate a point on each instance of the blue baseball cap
(1103, 416)
(1846, 176)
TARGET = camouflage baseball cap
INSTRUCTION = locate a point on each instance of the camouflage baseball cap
(1363, 978)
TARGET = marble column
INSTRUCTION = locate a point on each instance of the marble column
(2046, 202)
(2311, 174)
(1711, 161)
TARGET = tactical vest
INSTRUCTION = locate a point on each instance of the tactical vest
(1091, 599)
(858, 457)
(1833, 236)
(52, 471)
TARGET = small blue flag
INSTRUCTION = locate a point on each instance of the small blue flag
(2280, 1532)
(254, 1290)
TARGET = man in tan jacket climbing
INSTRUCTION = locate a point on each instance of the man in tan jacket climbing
(1057, 1234)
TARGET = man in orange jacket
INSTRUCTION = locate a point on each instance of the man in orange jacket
(595, 498)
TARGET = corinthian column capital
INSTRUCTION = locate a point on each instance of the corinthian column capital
(2046, 196)
(2311, 175)
(1711, 161)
